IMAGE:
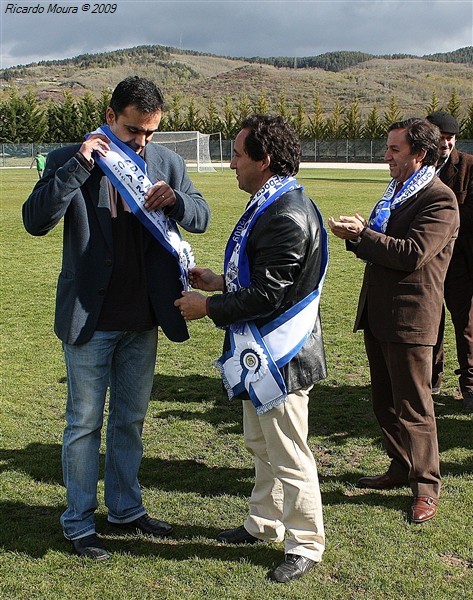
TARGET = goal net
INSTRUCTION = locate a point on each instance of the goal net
(193, 146)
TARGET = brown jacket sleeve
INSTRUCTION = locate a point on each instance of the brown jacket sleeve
(402, 292)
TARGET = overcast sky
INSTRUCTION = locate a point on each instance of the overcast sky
(239, 28)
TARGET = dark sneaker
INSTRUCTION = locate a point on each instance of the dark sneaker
(90, 547)
(238, 535)
(292, 567)
(145, 524)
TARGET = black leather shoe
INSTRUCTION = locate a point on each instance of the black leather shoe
(379, 482)
(145, 524)
(239, 535)
(90, 547)
(292, 567)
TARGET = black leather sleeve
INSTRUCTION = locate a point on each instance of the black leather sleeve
(277, 251)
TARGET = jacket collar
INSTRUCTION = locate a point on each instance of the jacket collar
(153, 161)
(450, 169)
(454, 157)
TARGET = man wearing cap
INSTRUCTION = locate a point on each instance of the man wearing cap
(455, 169)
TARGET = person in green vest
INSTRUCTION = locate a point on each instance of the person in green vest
(40, 161)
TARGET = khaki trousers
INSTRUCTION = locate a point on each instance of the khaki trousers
(286, 494)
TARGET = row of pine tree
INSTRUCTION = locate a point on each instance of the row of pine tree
(23, 119)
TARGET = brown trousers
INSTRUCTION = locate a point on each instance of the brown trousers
(459, 301)
(403, 405)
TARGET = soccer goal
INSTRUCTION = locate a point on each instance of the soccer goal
(194, 147)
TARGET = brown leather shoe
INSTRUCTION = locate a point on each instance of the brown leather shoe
(424, 508)
(379, 482)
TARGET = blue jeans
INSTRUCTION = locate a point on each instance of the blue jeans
(125, 362)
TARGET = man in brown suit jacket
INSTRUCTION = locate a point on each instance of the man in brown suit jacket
(455, 169)
(407, 245)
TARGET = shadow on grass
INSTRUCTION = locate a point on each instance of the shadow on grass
(42, 462)
(197, 388)
(336, 411)
(344, 413)
(35, 531)
(396, 502)
(196, 477)
(340, 416)
(186, 390)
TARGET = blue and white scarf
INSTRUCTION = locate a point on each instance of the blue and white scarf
(381, 214)
(236, 268)
(127, 172)
(256, 355)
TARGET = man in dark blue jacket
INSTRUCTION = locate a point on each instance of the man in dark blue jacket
(117, 284)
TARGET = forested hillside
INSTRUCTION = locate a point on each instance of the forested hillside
(333, 95)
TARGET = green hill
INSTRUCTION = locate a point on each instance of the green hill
(335, 76)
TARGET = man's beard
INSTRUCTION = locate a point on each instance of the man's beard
(444, 154)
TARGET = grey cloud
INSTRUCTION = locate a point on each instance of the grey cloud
(239, 28)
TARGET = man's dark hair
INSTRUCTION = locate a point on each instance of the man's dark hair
(271, 135)
(139, 92)
(421, 135)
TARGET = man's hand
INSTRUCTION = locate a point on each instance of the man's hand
(192, 305)
(205, 279)
(95, 143)
(159, 195)
(347, 228)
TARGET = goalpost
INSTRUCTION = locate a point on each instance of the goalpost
(193, 147)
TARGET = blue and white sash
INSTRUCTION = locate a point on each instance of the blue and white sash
(381, 214)
(127, 172)
(256, 355)
(237, 271)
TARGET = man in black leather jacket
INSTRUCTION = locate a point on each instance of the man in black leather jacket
(285, 249)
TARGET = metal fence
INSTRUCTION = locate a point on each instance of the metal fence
(21, 155)
(341, 151)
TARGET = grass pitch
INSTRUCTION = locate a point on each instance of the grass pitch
(195, 472)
